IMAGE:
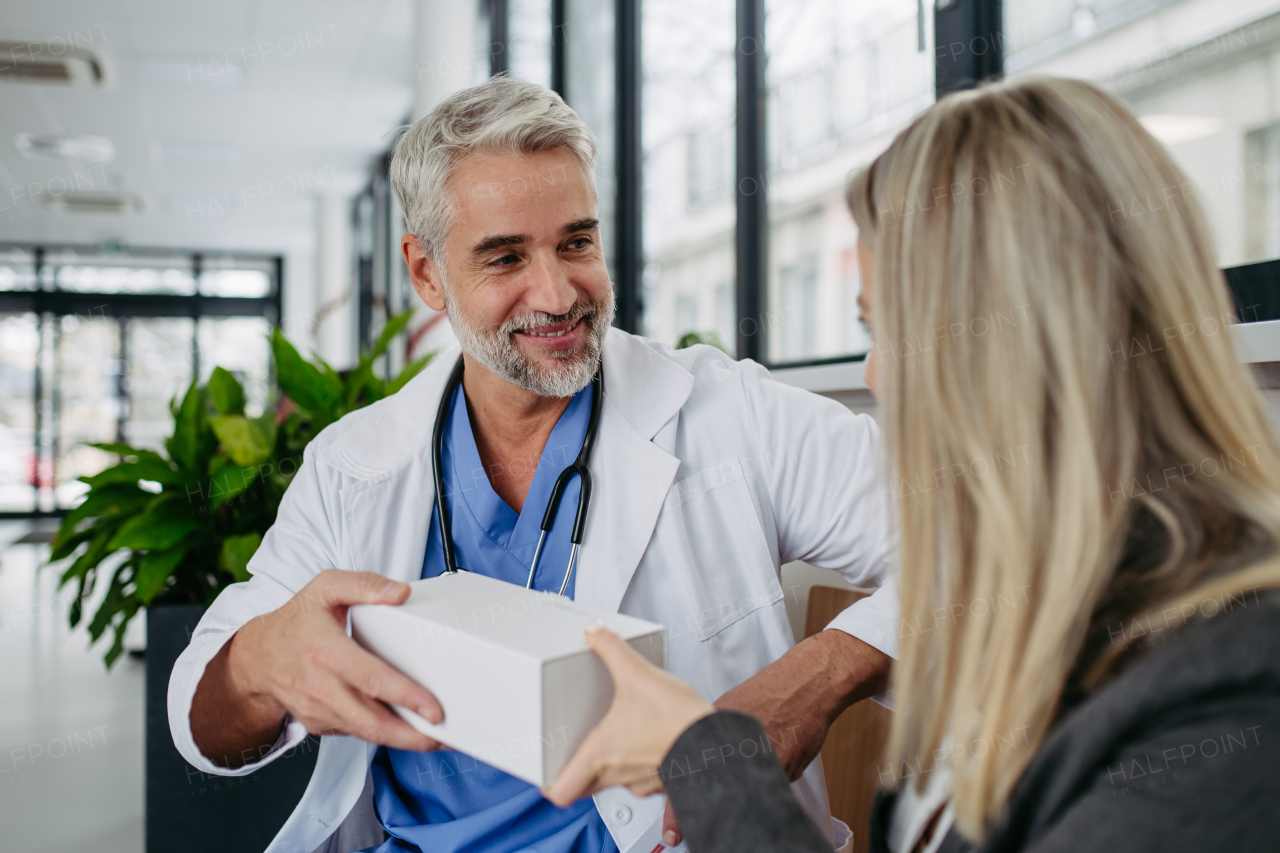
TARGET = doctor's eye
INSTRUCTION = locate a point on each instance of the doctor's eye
(579, 243)
(505, 261)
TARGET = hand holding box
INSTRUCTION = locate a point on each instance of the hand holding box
(510, 666)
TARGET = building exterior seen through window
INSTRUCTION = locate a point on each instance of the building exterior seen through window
(1201, 75)
(842, 77)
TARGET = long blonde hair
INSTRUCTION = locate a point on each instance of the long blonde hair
(1057, 376)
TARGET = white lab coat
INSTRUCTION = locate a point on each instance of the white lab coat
(707, 476)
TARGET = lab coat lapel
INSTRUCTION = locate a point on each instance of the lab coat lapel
(630, 474)
(387, 512)
(389, 519)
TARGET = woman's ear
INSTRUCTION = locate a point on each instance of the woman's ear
(422, 272)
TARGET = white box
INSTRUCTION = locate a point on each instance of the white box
(519, 686)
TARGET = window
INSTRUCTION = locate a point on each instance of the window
(687, 97)
(589, 37)
(727, 129)
(842, 78)
(94, 344)
(529, 41)
(1200, 74)
(19, 349)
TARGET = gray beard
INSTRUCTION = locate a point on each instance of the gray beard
(497, 350)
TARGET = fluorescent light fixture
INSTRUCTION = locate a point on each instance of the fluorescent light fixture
(50, 146)
(92, 202)
(1176, 129)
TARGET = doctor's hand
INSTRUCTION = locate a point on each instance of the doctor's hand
(651, 709)
(299, 660)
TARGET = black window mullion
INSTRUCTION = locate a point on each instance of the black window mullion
(38, 269)
(559, 48)
(628, 245)
(122, 378)
(499, 36)
(197, 269)
(968, 43)
(751, 234)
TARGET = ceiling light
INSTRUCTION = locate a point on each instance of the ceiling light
(92, 202)
(25, 62)
(1177, 129)
(50, 146)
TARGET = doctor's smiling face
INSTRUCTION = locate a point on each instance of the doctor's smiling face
(522, 273)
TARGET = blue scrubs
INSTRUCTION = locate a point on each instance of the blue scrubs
(447, 802)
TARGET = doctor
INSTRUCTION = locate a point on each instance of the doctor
(707, 476)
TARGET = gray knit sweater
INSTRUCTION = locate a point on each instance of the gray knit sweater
(1180, 752)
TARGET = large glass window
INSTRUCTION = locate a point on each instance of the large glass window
(242, 346)
(95, 272)
(19, 349)
(842, 77)
(83, 401)
(157, 361)
(529, 40)
(230, 276)
(1200, 74)
(688, 100)
(96, 352)
(590, 88)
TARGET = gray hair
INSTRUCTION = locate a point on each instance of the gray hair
(501, 115)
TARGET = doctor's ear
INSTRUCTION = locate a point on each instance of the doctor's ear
(422, 272)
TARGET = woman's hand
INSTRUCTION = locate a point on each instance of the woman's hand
(651, 709)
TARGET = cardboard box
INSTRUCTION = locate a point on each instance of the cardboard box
(519, 686)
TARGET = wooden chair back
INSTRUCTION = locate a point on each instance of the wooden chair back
(854, 749)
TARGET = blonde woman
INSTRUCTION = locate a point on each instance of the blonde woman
(1089, 497)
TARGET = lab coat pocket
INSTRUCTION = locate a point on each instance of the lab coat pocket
(716, 550)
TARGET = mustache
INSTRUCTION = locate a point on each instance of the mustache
(582, 310)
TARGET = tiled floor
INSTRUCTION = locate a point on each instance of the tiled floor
(71, 745)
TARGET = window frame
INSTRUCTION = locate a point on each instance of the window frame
(963, 21)
(48, 305)
(966, 21)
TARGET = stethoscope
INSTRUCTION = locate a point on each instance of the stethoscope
(578, 467)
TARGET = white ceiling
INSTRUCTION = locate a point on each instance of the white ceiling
(227, 117)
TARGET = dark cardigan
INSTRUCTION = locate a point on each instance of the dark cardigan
(1180, 752)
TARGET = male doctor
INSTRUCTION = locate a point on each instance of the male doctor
(707, 476)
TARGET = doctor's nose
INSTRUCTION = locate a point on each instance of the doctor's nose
(548, 288)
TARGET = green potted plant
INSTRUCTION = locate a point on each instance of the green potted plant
(187, 521)
(180, 526)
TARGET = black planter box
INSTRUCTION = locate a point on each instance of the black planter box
(192, 811)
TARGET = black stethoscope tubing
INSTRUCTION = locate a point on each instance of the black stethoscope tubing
(579, 467)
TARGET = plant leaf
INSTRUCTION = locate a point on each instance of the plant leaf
(356, 381)
(411, 370)
(184, 444)
(226, 393)
(113, 601)
(154, 570)
(127, 452)
(67, 540)
(230, 483)
(145, 468)
(162, 525)
(304, 383)
(246, 441)
(394, 326)
(109, 501)
(236, 552)
(129, 610)
(93, 555)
